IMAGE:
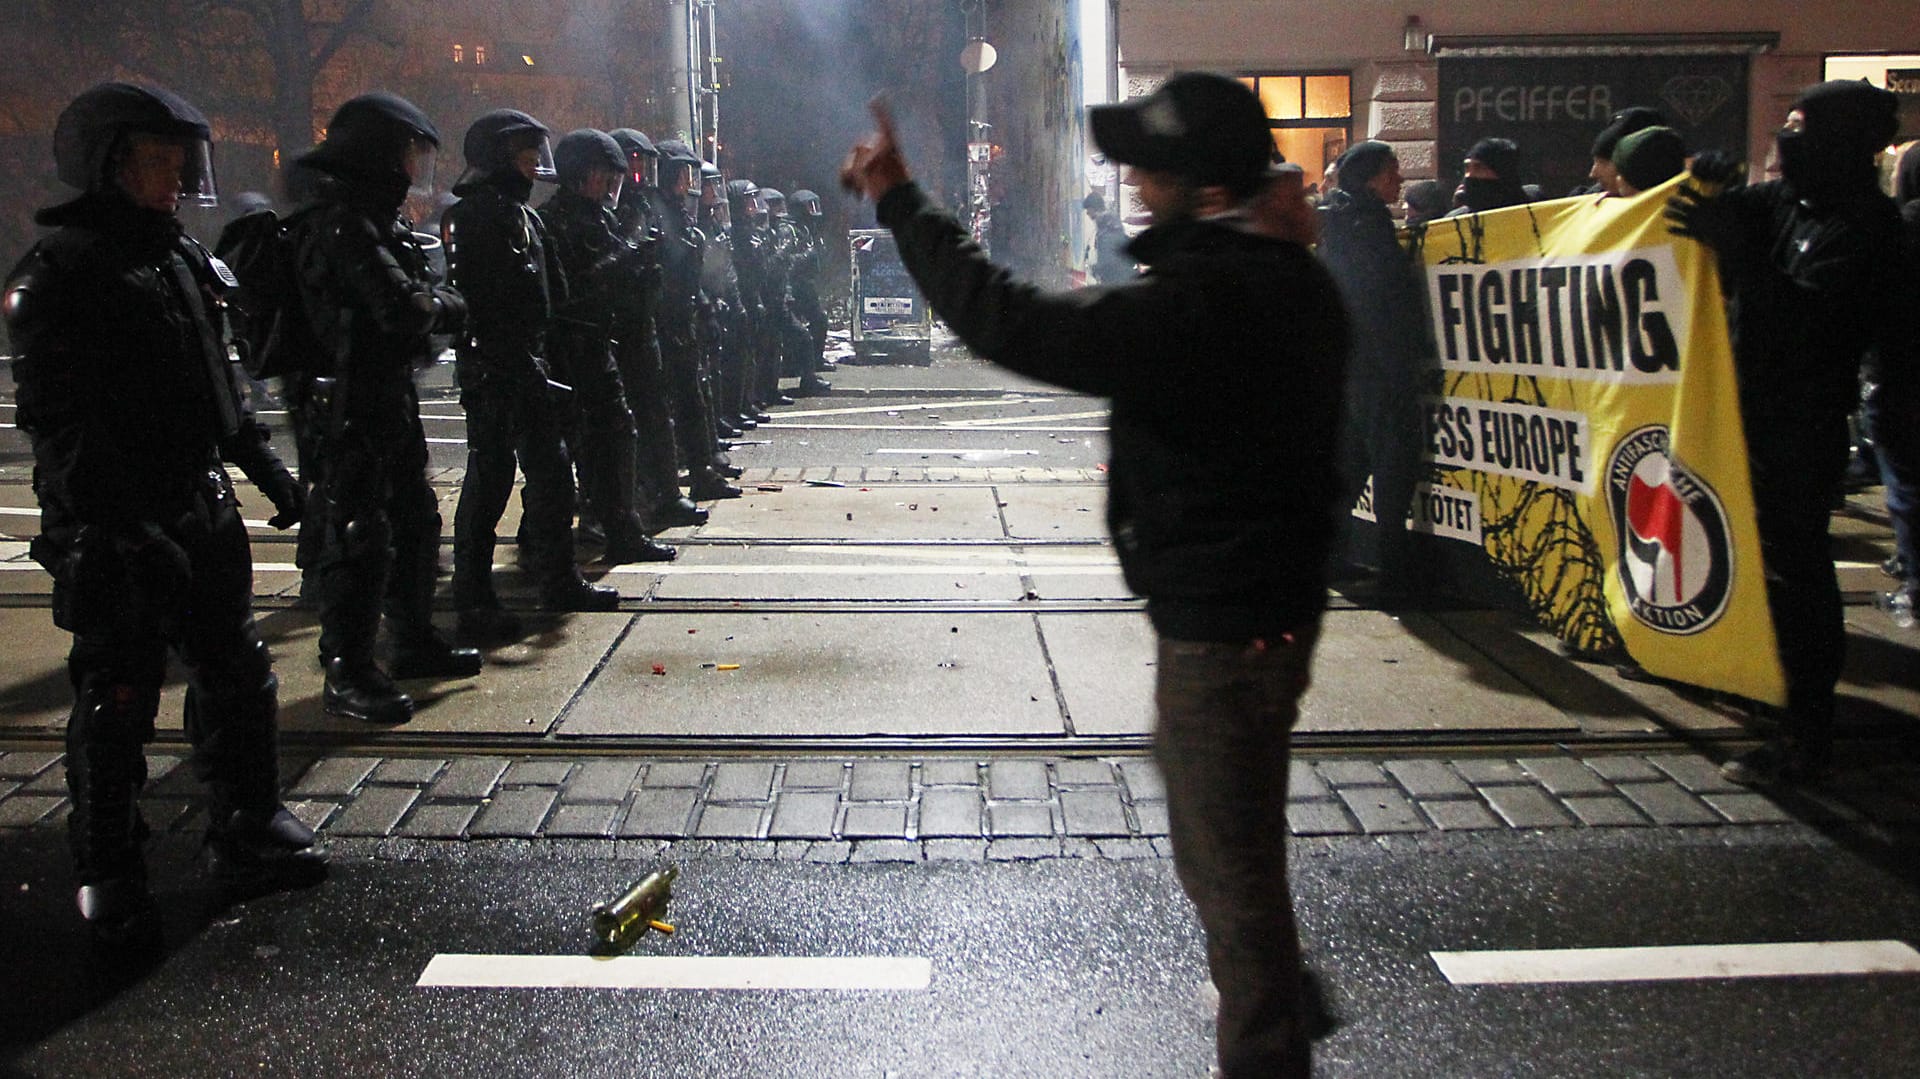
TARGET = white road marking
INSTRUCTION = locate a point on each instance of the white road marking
(949, 451)
(1003, 421)
(903, 973)
(924, 406)
(920, 428)
(1679, 962)
(674, 569)
(446, 441)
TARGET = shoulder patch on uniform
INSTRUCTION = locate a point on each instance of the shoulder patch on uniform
(222, 271)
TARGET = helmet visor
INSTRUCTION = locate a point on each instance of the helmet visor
(645, 169)
(423, 161)
(161, 172)
(543, 169)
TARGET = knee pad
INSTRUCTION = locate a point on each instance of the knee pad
(118, 712)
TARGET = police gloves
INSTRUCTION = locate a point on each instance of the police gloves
(289, 499)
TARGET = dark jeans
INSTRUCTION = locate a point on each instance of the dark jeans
(1797, 468)
(1383, 437)
(1225, 714)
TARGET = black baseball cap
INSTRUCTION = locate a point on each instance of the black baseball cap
(1206, 128)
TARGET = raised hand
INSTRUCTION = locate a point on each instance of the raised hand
(876, 165)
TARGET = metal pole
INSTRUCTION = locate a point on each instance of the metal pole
(680, 101)
(711, 93)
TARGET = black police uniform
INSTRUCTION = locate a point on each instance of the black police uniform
(732, 356)
(678, 326)
(602, 273)
(808, 268)
(637, 351)
(499, 256)
(126, 390)
(750, 254)
(374, 301)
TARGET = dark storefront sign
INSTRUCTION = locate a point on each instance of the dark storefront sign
(1554, 105)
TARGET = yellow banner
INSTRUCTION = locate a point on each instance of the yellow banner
(1588, 406)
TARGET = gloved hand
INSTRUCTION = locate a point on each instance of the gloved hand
(1719, 167)
(1710, 219)
(289, 499)
(453, 310)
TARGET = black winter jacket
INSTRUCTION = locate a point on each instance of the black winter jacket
(1225, 363)
(123, 381)
(1384, 293)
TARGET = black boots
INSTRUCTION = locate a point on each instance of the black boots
(813, 386)
(428, 655)
(708, 484)
(638, 548)
(361, 690)
(253, 853)
(119, 912)
(676, 511)
(574, 593)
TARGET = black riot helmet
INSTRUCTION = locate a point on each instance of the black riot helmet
(643, 161)
(747, 203)
(807, 203)
(678, 162)
(381, 141)
(776, 203)
(713, 196)
(101, 124)
(492, 143)
(583, 150)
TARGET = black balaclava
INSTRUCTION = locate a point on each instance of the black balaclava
(1847, 123)
(1363, 161)
(1503, 157)
(366, 146)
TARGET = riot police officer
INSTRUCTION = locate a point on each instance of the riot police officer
(375, 302)
(679, 320)
(807, 219)
(751, 249)
(127, 393)
(787, 331)
(637, 345)
(604, 274)
(499, 255)
(732, 356)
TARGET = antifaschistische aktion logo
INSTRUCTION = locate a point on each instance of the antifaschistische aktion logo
(1676, 553)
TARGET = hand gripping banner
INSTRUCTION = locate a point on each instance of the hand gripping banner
(1588, 406)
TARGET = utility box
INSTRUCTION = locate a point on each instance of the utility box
(890, 323)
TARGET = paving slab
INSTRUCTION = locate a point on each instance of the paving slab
(838, 572)
(1372, 672)
(893, 512)
(1056, 511)
(822, 674)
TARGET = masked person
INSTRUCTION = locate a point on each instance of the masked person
(374, 302)
(126, 391)
(1808, 263)
(1388, 376)
(637, 345)
(1232, 565)
(604, 275)
(1492, 179)
(681, 246)
(499, 255)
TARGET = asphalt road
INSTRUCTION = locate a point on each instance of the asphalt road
(1062, 967)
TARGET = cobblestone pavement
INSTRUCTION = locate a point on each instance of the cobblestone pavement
(947, 808)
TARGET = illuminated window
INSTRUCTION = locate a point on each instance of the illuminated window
(479, 54)
(1310, 113)
(459, 54)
